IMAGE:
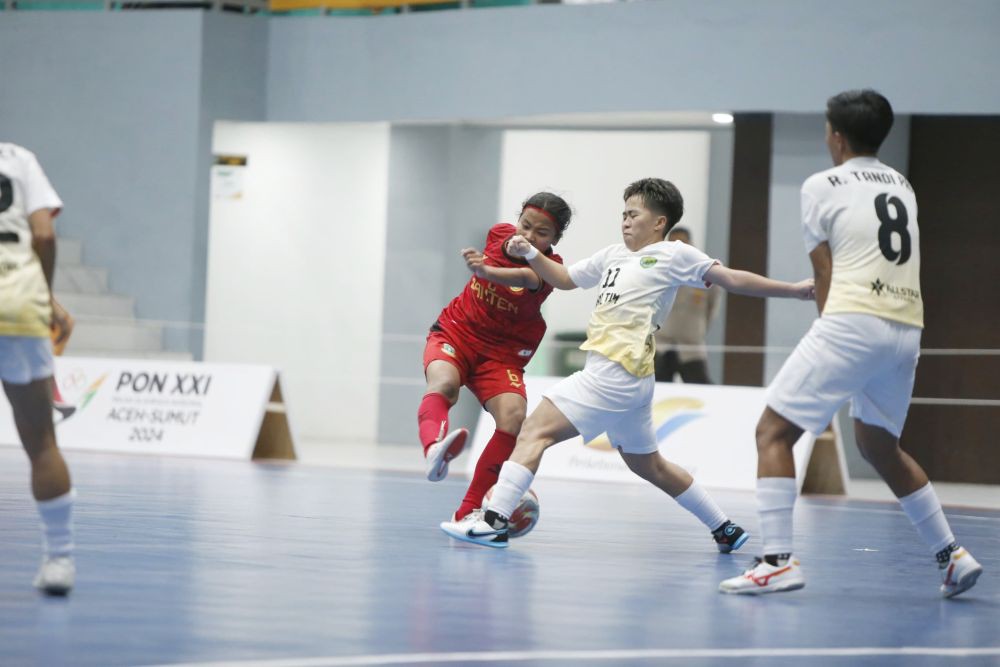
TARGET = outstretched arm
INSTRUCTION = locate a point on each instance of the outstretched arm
(751, 284)
(43, 241)
(548, 270)
(476, 262)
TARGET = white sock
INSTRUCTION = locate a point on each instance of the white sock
(57, 522)
(775, 501)
(514, 482)
(924, 511)
(697, 501)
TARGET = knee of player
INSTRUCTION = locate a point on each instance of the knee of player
(446, 388)
(773, 431)
(511, 420)
(876, 454)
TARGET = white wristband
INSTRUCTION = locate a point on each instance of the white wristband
(531, 254)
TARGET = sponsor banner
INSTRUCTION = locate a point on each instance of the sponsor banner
(706, 429)
(156, 407)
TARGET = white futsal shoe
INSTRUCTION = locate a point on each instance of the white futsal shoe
(474, 528)
(443, 451)
(56, 576)
(960, 573)
(762, 577)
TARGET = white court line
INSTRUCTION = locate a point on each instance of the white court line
(872, 510)
(635, 654)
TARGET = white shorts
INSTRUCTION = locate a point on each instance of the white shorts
(867, 359)
(25, 358)
(604, 397)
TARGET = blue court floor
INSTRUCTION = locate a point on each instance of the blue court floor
(184, 561)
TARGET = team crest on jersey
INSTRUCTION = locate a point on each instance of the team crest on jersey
(647, 262)
(448, 349)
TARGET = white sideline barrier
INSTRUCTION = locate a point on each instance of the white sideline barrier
(141, 406)
(706, 429)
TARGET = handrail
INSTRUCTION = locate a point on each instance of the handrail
(277, 7)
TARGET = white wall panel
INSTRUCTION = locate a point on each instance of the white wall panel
(590, 169)
(296, 267)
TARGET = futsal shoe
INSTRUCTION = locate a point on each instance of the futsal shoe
(444, 450)
(64, 409)
(762, 577)
(56, 575)
(960, 573)
(475, 529)
(729, 537)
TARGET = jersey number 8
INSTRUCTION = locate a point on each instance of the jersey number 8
(889, 225)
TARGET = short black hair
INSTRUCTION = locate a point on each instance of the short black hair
(659, 196)
(555, 206)
(681, 230)
(863, 117)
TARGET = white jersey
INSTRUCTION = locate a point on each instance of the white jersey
(637, 291)
(867, 212)
(25, 308)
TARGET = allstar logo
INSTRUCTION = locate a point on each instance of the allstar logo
(878, 286)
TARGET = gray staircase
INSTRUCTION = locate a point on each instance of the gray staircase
(106, 325)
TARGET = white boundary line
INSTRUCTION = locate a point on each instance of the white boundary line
(876, 510)
(634, 654)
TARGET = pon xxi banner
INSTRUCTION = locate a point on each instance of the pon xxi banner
(156, 407)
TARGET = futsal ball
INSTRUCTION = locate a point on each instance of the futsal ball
(525, 515)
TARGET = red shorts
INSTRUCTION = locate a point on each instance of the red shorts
(483, 376)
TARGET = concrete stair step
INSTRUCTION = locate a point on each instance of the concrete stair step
(122, 337)
(159, 355)
(68, 251)
(81, 278)
(81, 304)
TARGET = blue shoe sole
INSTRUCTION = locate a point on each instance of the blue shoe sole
(739, 543)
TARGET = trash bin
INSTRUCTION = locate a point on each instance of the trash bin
(568, 358)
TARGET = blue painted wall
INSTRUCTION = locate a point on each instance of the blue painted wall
(119, 105)
(780, 55)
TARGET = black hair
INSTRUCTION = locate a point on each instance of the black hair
(863, 117)
(661, 197)
(555, 206)
(681, 230)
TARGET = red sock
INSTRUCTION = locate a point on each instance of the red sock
(498, 450)
(432, 414)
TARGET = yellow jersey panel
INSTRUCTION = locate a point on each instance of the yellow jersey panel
(25, 308)
(637, 290)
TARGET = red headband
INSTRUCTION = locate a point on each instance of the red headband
(543, 212)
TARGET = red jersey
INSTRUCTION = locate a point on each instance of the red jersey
(504, 323)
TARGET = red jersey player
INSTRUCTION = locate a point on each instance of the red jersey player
(483, 339)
